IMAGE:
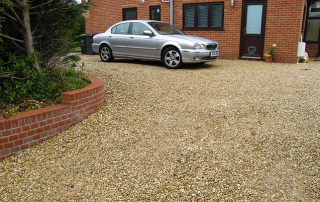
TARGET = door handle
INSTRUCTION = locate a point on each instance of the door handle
(131, 37)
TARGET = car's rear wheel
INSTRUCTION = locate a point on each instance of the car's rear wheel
(105, 53)
(171, 58)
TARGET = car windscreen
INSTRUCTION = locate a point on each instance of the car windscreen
(164, 28)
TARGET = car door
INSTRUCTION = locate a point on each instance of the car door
(140, 45)
(119, 38)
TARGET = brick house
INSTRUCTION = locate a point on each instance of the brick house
(243, 28)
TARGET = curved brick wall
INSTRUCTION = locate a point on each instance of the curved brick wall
(30, 128)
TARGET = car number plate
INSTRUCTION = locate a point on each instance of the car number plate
(214, 53)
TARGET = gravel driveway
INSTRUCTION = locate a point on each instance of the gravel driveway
(229, 130)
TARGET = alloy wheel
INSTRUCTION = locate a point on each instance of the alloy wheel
(172, 58)
(105, 53)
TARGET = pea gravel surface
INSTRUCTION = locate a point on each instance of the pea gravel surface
(225, 131)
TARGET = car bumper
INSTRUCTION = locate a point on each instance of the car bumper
(199, 55)
(95, 48)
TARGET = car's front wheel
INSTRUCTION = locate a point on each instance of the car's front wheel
(105, 53)
(171, 58)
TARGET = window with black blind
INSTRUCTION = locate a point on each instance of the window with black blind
(155, 13)
(189, 16)
(129, 13)
(312, 32)
(208, 15)
(203, 15)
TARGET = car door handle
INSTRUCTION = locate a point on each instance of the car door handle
(131, 37)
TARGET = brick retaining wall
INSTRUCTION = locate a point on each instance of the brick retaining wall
(30, 128)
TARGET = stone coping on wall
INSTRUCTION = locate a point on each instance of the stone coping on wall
(30, 128)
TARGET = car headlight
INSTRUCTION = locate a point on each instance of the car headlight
(197, 46)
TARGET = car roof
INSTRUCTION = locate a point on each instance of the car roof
(140, 21)
(128, 21)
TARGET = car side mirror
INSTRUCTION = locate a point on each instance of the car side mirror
(147, 33)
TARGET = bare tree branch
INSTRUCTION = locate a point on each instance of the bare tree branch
(10, 16)
(11, 38)
(17, 45)
(46, 11)
(41, 5)
(38, 23)
(17, 16)
(8, 75)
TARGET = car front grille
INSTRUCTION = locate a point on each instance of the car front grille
(212, 46)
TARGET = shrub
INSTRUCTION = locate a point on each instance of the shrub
(71, 77)
(21, 85)
(19, 81)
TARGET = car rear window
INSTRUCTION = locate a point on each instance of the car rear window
(113, 30)
(122, 28)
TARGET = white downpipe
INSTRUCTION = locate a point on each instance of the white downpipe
(171, 12)
(171, 9)
(301, 48)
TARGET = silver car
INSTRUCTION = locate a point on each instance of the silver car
(153, 40)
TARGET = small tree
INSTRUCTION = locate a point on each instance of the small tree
(39, 27)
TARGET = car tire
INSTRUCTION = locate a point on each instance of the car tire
(105, 53)
(171, 58)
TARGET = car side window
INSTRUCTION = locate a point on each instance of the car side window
(139, 28)
(122, 28)
(113, 30)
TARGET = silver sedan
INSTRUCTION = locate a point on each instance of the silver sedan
(153, 40)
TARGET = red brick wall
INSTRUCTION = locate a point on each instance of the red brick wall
(312, 50)
(283, 23)
(283, 27)
(229, 37)
(104, 13)
(30, 128)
